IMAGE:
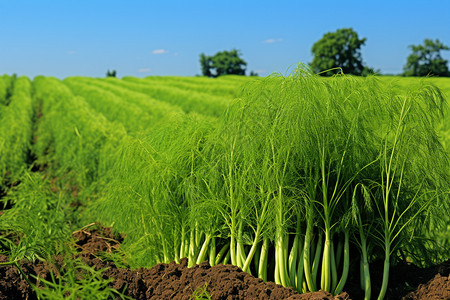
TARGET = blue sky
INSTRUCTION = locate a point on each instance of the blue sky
(143, 38)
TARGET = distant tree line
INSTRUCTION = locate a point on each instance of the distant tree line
(339, 51)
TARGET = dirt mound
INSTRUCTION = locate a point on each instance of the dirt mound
(437, 288)
(93, 238)
(177, 281)
(429, 283)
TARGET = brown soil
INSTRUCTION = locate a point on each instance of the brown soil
(437, 288)
(177, 281)
(418, 283)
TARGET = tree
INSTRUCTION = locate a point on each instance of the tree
(340, 49)
(426, 59)
(222, 63)
(205, 63)
(111, 73)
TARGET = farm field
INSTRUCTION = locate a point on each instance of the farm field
(338, 184)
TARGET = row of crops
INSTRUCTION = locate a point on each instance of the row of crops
(299, 180)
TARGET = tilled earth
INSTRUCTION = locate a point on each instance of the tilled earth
(177, 281)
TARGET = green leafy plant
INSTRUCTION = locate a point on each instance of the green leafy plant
(76, 281)
(201, 293)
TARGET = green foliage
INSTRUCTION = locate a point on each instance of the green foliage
(340, 49)
(212, 86)
(38, 220)
(156, 109)
(222, 63)
(7, 88)
(206, 65)
(426, 59)
(76, 280)
(114, 108)
(404, 84)
(4, 84)
(156, 176)
(72, 137)
(111, 73)
(201, 293)
(10, 89)
(16, 131)
(188, 101)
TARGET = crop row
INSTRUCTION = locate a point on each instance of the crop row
(16, 121)
(137, 112)
(71, 136)
(189, 101)
(213, 86)
(6, 88)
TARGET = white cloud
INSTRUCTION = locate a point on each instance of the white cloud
(71, 52)
(144, 70)
(271, 41)
(159, 51)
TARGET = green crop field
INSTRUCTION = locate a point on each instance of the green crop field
(282, 176)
